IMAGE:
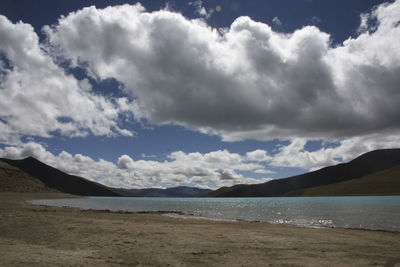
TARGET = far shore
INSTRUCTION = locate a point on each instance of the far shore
(51, 236)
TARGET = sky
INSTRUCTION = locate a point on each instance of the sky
(197, 93)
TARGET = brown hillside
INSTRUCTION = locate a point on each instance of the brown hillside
(366, 164)
(13, 179)
(382, 183)
(61, 181)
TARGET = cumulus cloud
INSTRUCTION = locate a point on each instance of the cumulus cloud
(30, 149)
(210, 170)
(258, 155)
(38, 98)
(248, 81)
(295, 155)
(125, 162)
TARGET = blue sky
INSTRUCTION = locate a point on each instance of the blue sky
(203, 93)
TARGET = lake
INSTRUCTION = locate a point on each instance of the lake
(374, 213)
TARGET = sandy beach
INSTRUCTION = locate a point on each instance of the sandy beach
(49, 236)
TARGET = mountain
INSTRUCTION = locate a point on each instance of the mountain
(13, 179)
(180, 191)
(364, 165)
(53, 178)
(382, 183)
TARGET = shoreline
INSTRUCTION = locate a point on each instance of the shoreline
(49, 236)
(180, 214)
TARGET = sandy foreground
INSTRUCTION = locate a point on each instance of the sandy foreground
(49, 236)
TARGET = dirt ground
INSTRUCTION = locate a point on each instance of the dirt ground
(49, 236)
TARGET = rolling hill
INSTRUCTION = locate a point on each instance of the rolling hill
(382, 183)
(38, 174)
(364, 165)
(13, 179)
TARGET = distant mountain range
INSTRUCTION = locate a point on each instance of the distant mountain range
(373, 173)
(180, 191)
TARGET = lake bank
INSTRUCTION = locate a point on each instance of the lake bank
(61, 236)
(358, 212)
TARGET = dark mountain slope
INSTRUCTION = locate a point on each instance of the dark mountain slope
(13, 179)
(365, 164)
(56, 179)
(386, 182)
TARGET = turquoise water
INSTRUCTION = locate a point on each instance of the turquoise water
(375, 213)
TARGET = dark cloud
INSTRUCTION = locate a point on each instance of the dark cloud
(248, 81)
(225, 175)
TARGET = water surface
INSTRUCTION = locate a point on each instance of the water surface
(375, 213)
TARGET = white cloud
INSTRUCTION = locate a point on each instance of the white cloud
(38, 98)
(30, 149)
(363, 23)
(264, 171)
(143, 155)
(296, 155)
(125, 162)
(276, 21)
(247, 82)
(258, 155)
(212, 170)
(200, 9)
